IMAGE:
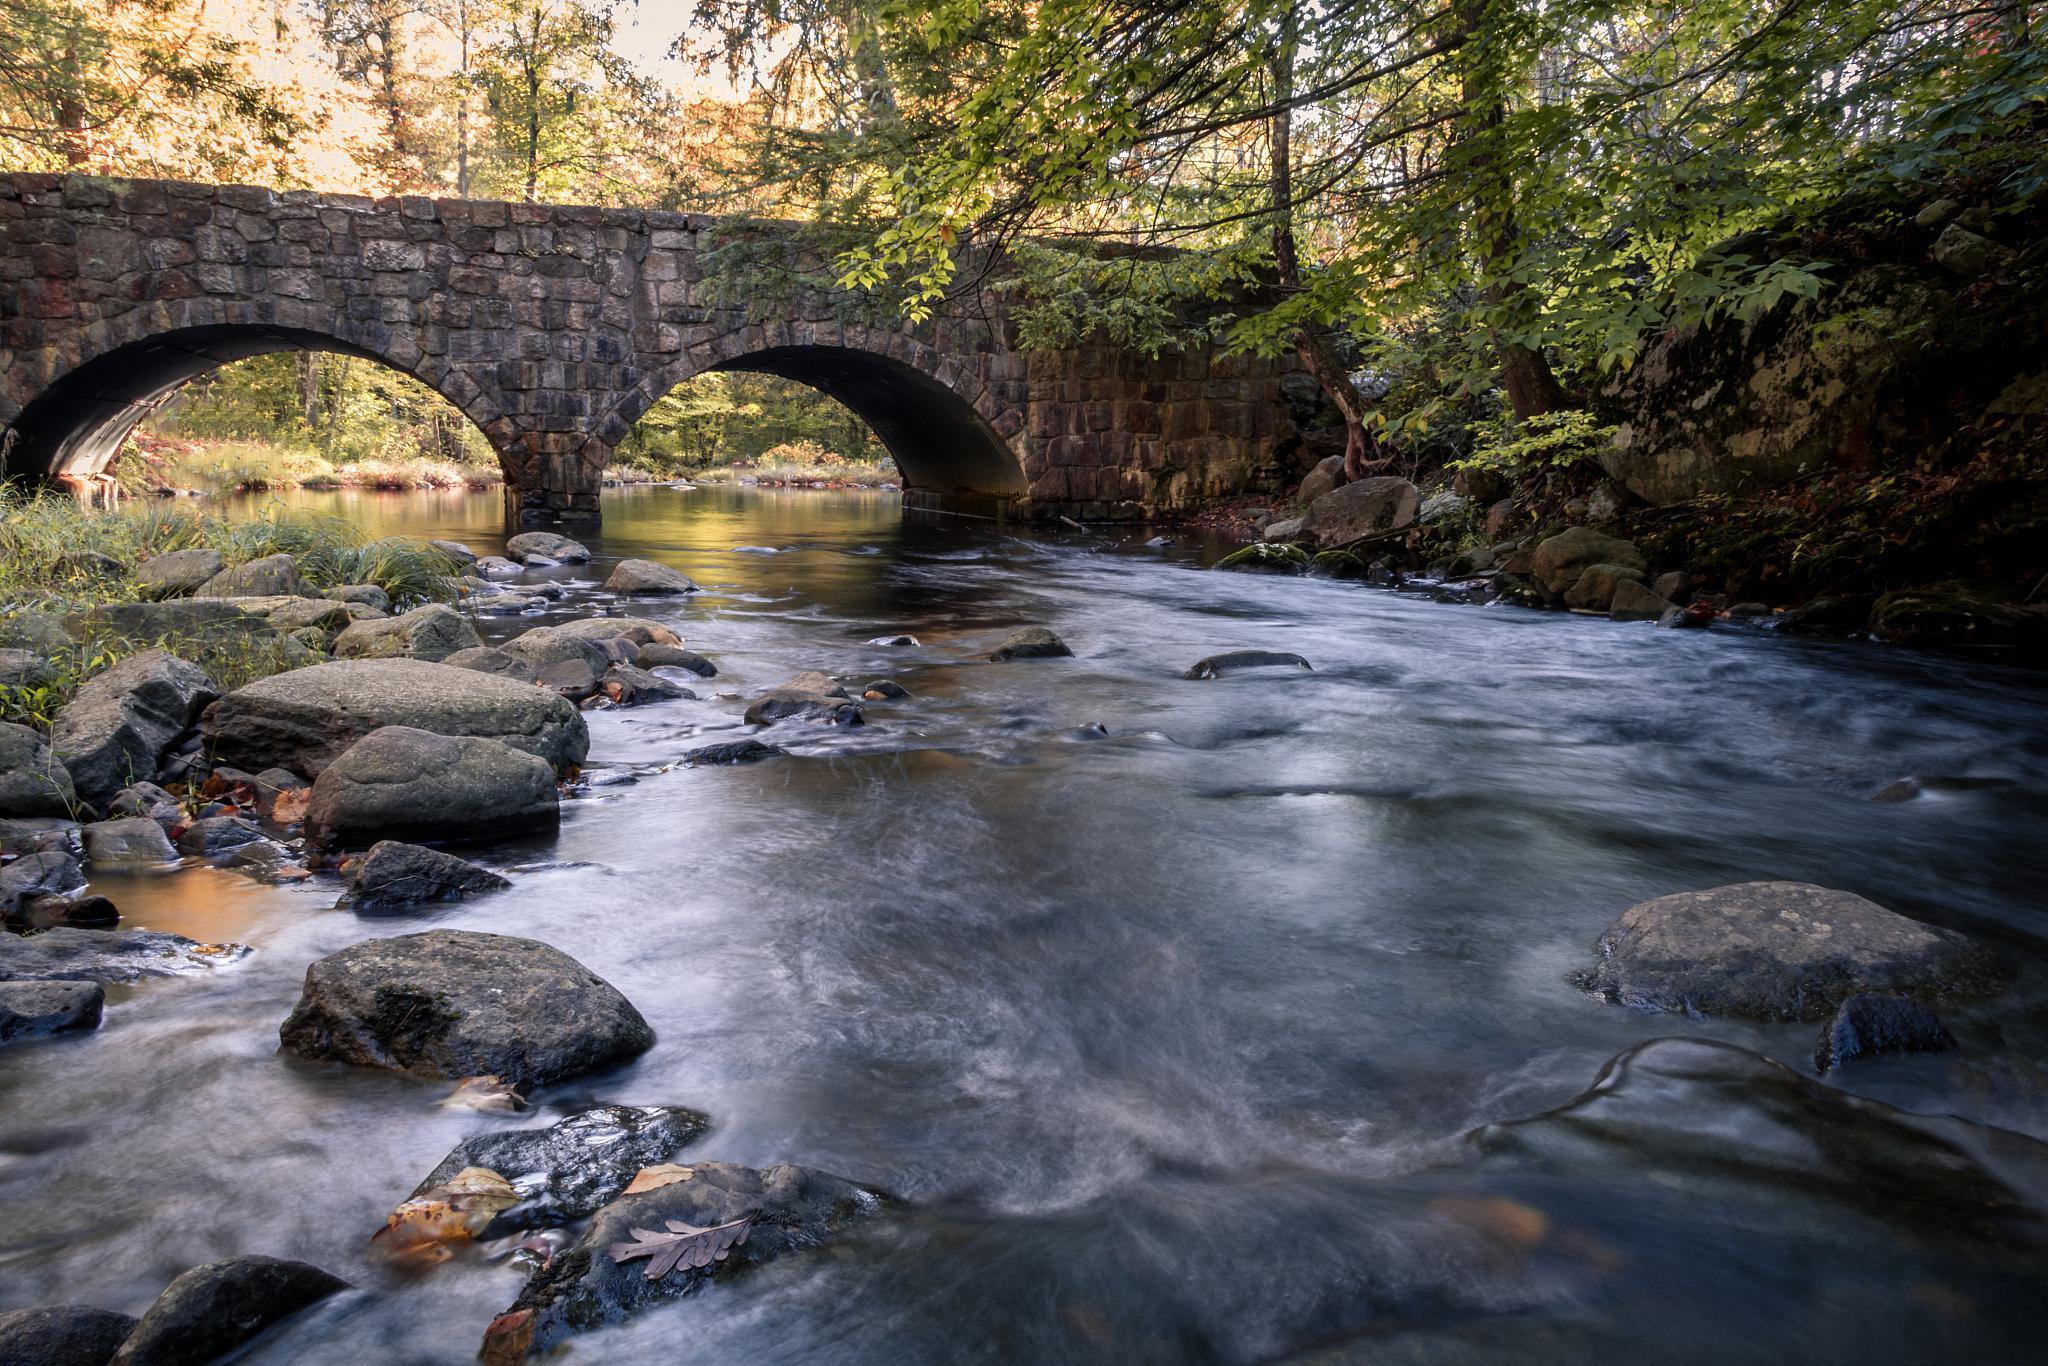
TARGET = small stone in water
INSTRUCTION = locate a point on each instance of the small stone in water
(895, 640)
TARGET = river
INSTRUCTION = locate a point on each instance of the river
(1168, 1037)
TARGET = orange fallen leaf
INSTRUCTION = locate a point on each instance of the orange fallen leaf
(1510, 1221)
(655, 1177)
(454, 1211)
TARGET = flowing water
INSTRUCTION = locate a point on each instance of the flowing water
(1172, 1037)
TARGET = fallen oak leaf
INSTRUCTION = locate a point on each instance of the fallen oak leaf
(655, 1177)
(491, 1094)
(683, 1245)
(454, 1211)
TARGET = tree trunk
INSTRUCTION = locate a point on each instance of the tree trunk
(1311, 343)
(1531, 387)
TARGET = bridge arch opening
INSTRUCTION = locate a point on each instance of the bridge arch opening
(75, 429)
(935, 435)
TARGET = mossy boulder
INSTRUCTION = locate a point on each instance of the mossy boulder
(1337, 564)
(1960, 615)
(1266, 558)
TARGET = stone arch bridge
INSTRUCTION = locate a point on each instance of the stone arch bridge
(554, 328)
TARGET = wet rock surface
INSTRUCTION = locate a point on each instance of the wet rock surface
(545, 547)
(810, 696)
(1866, 1026)
(566, 1171)
(133, 839)
(1031, 642)
(108, 956)
(1235, 661)
(793, 1209)
(733, 752)
(305, 719)
(394, 876)
(212, 1310)
(653, 656)
(1266, 557)
(1781, 951)
(647, 576)
(41, 873)
(455, 1003)
(33, 1009)
(62, 1335)
(400, 782)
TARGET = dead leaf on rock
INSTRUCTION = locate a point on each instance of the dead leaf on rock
(1496, 1216)
(508, 1339)
(290, 806)
(454, 1211)
(491, 1095)
(683, 1245)
(655, 1177)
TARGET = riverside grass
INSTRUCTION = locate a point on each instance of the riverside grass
(49, 569)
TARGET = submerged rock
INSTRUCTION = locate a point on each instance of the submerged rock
(1031, 642)
(810, 696)
(1215, 666)
(32, 781)
(733, 752)
(218, 834)
(62, 1335)
(1867, 1025)
(639, 630)
(305, 719)
(1266, 557)
(791, 1209)
(568, 1170)
(401, 782)
(654, 656)
(393, 876)
(454, 1003)
(85, 911)
(33, 1009)
(108, 956)
(884, 690)
(628, 686)
(212, 1310)
(646, 576)
(1781, 951)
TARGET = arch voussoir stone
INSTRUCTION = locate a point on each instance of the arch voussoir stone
(554, 328)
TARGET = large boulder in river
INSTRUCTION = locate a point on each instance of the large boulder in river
(1343, 515)
(177, 573)
(431, 633)
(789, 1209)
(545, 645)
(1560, 561)
(32, 782)
(545, 547)
(61, 1335)
(1781, 951)
(400, 782)
(304, 720)
(117, 728)
(454, 1003)
(213, 1310)
(270, 577)
(578, 1165)
(646, 576)
(394, 876)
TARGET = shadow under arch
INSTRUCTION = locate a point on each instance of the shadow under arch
(78, 423)
(937, 438)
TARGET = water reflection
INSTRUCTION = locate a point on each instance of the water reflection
(1171, 1032)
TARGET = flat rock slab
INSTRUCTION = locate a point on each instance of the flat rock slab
(455, 1003)
(569, 1170)
(31, 1009)
(214, 1309)
(62, 1335)
(792, 1208)
(1781, 951)
(304, 720)
(108, 956)
(394, 876)
(1216, 666)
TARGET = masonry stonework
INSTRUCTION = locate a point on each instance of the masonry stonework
(554, 328)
